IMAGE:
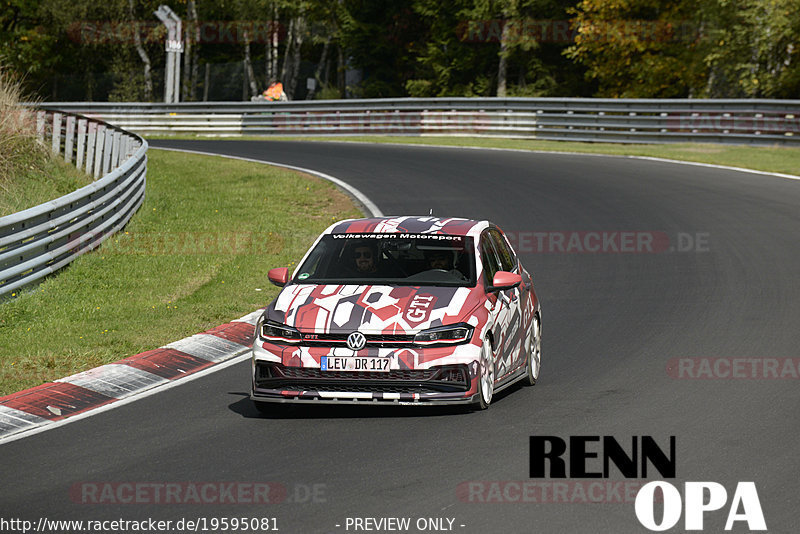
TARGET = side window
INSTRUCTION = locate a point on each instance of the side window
(508, 261)
(489, 259)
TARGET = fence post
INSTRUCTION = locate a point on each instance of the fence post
(70, 139)
(56, 140)
(81, 143)
(40, 116)
(98, 150)
(115, 153)
(107, 150)
(90, 146)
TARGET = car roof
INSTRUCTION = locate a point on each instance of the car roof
(410, 225)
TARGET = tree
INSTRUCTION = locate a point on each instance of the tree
(510, 16)
(379, 37)
(114, 49)
(754, 48)
(451, 61)
(640, 48)
(191, 53)
(27, 46)
(325, 22)
(143, 55)
(502, 47)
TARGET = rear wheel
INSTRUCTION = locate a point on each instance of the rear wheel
(534, 362)
(486, 379)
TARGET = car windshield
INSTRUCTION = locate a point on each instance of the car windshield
(403, 259)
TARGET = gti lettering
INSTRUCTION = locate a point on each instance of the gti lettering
(418, 309)
(583, 456)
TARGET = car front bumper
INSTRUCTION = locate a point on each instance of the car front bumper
(440, 375)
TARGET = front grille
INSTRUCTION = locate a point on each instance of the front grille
(366, 388)
(394, 374)
(450, 378)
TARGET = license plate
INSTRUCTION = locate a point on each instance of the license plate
(354, 363)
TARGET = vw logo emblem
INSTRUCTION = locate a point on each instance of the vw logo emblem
(356, 341)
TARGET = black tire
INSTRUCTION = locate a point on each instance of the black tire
(486, 380)
(533, 363)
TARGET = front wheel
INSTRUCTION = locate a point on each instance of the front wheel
(534, 362)
(486, 379)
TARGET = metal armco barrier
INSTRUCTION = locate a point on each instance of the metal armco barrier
(761, 122)
(40, 240)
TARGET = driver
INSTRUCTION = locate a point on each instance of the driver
(365, 257)
(440, 259)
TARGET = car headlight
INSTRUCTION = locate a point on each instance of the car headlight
(279, 333)
(445, 335)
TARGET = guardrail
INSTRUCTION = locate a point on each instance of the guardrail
(762, 122)
(40, 240)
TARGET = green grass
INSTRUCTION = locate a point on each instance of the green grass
(779, 159)
(29, 173)
(196, 255)
(38, 178)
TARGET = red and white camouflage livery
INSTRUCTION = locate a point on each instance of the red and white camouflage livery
(404, 310)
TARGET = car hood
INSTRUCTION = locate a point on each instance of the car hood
(373, 309)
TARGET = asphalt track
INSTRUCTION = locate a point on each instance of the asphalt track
(612, 323)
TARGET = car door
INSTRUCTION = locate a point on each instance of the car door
(518, 297)
(506, 312)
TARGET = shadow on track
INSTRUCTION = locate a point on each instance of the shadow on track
(247, 409)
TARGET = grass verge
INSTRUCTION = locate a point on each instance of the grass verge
(38, 179)
(29, 174)
(195, 256)
(785, 160)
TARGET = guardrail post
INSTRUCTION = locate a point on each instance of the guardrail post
(56, 140)
(40, 116)
(115, 150)
(90, 146)
(107, 150)
(70, 139)
(81, 143)
(98, 150)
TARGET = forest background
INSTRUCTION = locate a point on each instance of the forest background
(233, 49)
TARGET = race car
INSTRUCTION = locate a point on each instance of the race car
(399, 310)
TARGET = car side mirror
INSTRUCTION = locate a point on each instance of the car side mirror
(279, 276)
(504, 280)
